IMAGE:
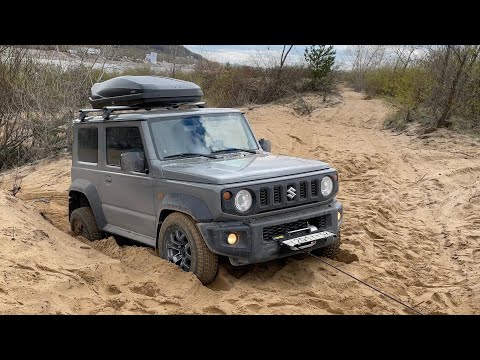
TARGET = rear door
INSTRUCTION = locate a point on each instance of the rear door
(127, 197)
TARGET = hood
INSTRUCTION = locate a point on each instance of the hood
(239, 169)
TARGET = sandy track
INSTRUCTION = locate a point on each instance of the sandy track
(412, 228)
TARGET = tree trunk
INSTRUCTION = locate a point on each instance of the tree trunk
(442, 80)
(447, 109)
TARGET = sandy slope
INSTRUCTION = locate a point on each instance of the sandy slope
(412, 228)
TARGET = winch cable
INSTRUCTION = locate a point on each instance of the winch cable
(363, 282)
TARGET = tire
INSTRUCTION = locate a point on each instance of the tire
(330, 251)
(82, 223)
(194, 255)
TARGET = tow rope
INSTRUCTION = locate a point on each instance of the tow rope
(359, 280)
(366, 284)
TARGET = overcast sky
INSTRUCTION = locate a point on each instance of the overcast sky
(248, 54)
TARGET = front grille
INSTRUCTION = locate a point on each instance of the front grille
(280, 194)
(320, 222)
(292, 193)
(271, 231)
(277, 194)
(314, 185)
(263, 197)
(303, 190)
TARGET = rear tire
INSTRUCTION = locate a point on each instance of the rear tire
(180, 242)
(83, 223)
(330, 251)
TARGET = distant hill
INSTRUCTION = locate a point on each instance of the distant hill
(165, 52)
(137, 53)
(181, 50)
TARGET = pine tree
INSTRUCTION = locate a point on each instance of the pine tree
(320, 60)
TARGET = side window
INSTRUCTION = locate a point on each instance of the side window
(88, 145)
(120, 140)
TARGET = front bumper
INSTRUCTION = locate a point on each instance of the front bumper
(252, 247)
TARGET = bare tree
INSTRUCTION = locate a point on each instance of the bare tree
(364, 58)
(40, 93)
(173, 59)
(452, 70)
(404, 56)
(285, 51)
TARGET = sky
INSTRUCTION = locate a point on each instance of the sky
(251, 54)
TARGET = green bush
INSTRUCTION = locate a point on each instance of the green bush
(439, 89)
(380, 82)
(410, 88)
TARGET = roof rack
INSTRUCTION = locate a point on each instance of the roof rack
(108, 110)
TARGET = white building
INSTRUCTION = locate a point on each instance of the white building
(151, 58)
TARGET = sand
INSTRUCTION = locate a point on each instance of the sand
(411, 227)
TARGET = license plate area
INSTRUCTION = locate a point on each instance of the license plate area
(307, 241)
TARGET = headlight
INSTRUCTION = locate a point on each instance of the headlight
(243, 200)
(326, 186)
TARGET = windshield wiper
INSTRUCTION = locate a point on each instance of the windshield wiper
(189, 155)
(233, 150)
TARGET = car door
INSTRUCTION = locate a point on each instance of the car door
(127, 197)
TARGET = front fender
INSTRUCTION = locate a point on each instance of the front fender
(188, 204)
(90, 191)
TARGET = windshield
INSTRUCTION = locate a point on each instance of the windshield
(202, 134)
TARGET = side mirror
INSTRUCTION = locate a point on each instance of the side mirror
(266, 145)
(133, 161)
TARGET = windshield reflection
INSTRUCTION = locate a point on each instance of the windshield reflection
(202, 134)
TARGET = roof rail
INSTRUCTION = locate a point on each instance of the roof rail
(108, 110)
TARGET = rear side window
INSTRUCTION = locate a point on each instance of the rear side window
(88, 145)
(120, 140)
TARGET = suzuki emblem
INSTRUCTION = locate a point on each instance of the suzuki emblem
(291, 192)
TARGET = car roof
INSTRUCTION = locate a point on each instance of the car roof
(156, 114)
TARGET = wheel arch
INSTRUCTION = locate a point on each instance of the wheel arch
(189, 205)
(83, 193)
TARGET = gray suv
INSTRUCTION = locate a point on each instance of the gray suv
(196, 184)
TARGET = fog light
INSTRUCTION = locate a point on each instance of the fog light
(339, 216)
(232, 239)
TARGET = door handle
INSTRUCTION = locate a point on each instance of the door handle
(108, 178)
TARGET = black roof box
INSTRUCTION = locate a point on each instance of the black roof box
(144, 92)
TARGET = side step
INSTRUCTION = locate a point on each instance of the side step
(130, 235)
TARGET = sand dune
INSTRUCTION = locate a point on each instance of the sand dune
(411, 227)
